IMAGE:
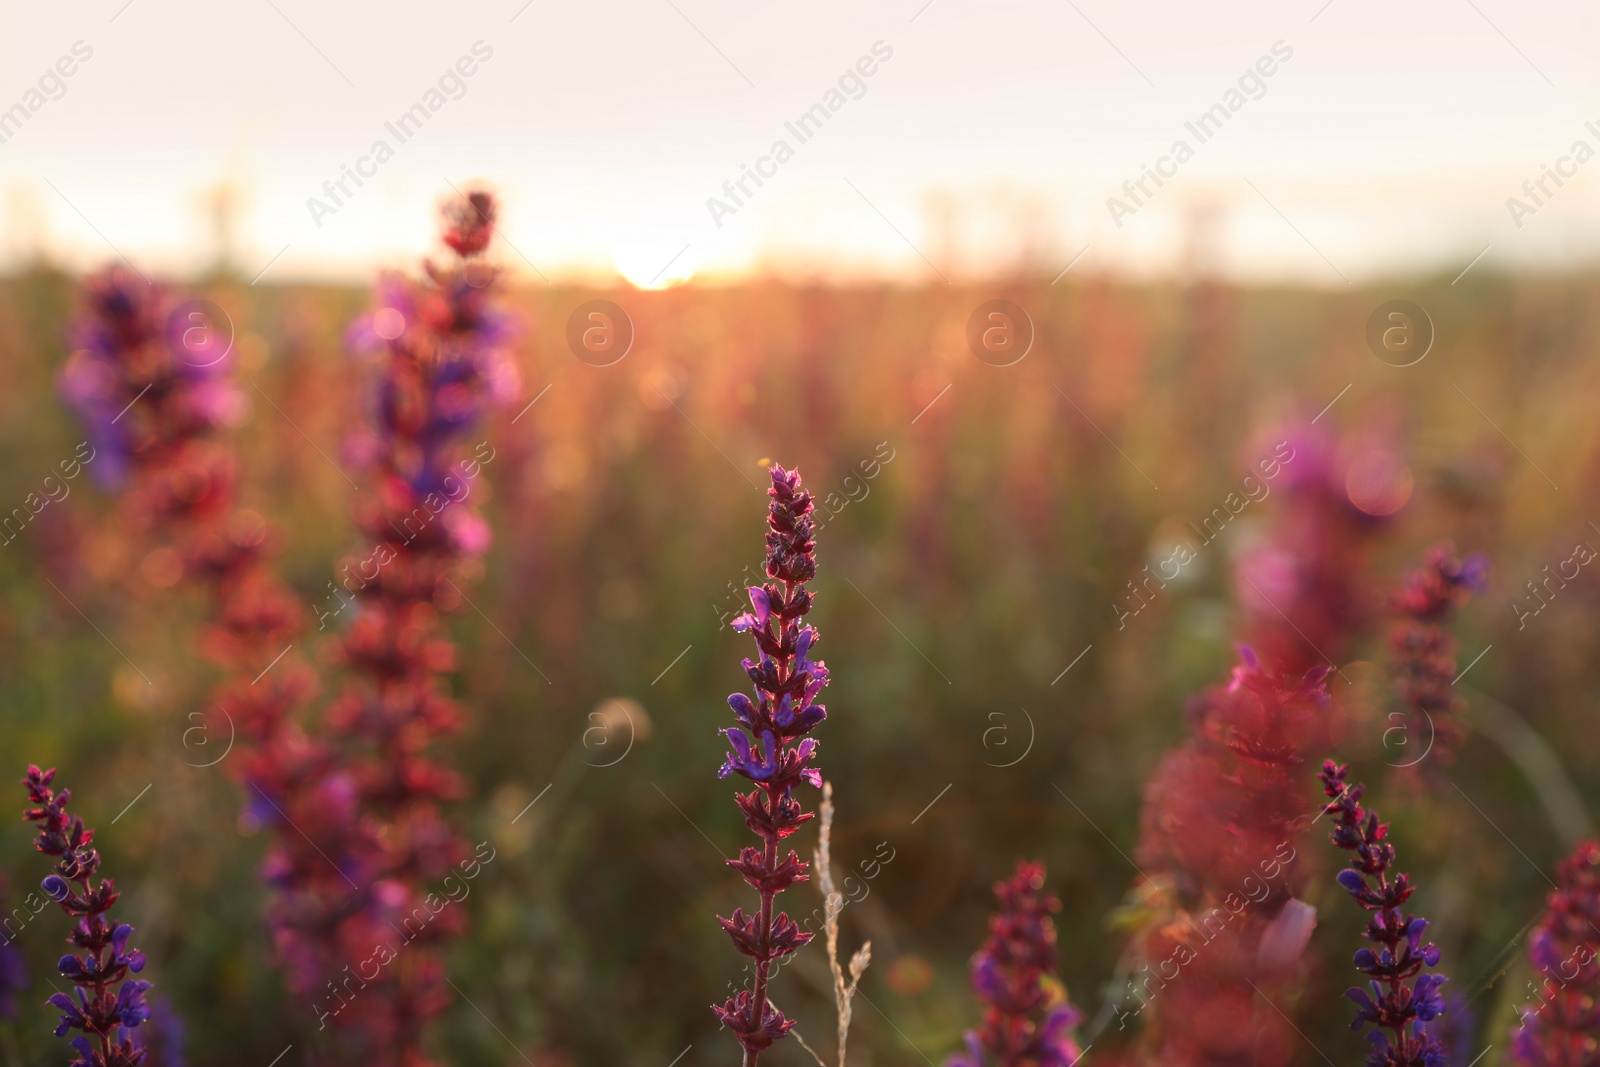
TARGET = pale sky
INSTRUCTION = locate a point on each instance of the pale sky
(990, 137)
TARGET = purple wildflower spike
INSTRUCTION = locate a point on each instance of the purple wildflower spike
(1401, 998)
(769, 748)
(147, 391)
(106, 998)
(1561, 1027)
(1028, 1021)
(1422, 652)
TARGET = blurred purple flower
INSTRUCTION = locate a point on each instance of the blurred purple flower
(1563, 1028)
(1028, 1021)
(13, 979)
(439, 353)
(1309, 563)
(139, 402)
(442, 349)
(1423, 655)
(164, 1038)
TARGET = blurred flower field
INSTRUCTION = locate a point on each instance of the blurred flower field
(1005, 675)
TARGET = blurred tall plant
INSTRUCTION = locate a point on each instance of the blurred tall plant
(1562, 1028)
(151, 379)
(1028, 1020)
(1219, 919)
(439, 358)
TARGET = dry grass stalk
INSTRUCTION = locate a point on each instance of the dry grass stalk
(832, 904)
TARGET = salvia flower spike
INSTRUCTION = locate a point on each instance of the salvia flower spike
(1561, 1029)
(1224, 814)
(149, 386)
(770, 749)
(441, 359)
(153, 403)
(1028, 1020)
(1404, 994)
(1422, 652)
(106, 998)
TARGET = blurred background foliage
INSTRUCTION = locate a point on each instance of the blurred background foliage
(987, 553)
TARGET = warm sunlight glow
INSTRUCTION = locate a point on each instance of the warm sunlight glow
(653, 266)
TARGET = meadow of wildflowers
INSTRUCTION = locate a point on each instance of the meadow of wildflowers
(384, 646)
